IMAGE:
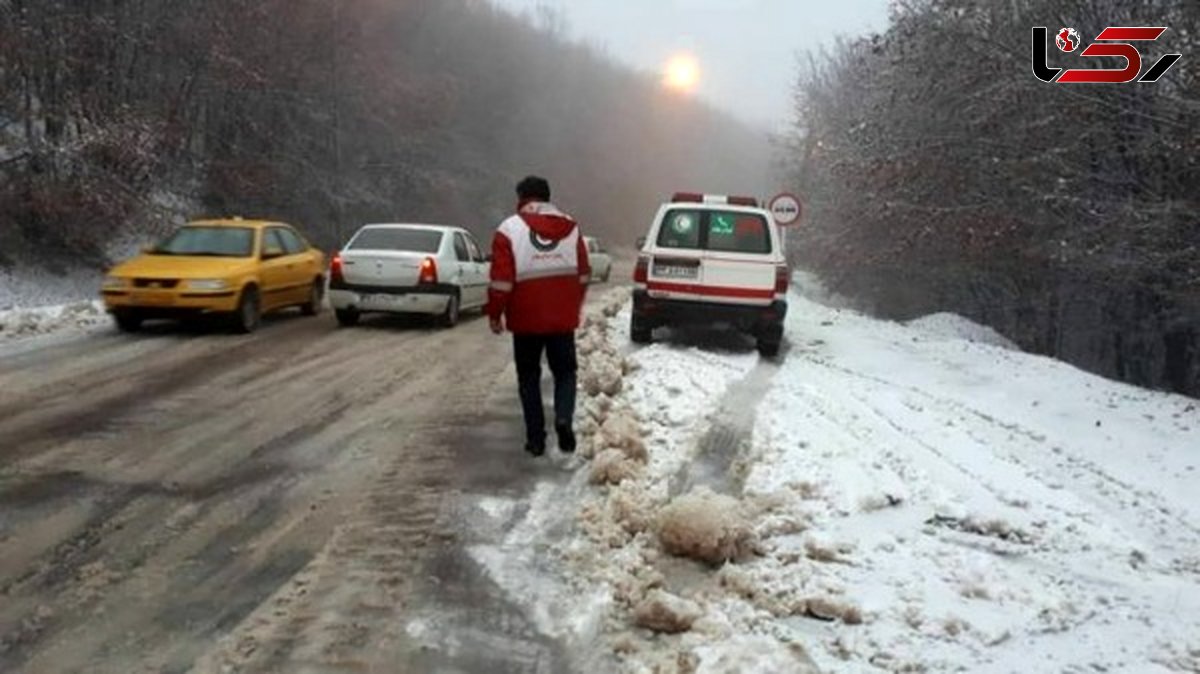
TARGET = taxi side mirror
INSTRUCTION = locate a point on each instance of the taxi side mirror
(272, 252)
(641, 242)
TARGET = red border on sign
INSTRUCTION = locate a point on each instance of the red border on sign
(799, 214)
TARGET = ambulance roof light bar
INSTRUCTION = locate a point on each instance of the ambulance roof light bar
(697, 198)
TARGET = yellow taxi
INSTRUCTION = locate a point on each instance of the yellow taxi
(238, 269)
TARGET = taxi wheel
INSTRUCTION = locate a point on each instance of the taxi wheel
(249, 312)
(449, 317)
(127, 322)
(315, 295)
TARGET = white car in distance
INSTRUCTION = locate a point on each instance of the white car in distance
(408, 269)
(599, 258)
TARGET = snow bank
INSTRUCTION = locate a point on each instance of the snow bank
(953, 326)
(918, 500)
(31, 288)
(30, 322)
(641, 432)
(903, 503)
(961, 507)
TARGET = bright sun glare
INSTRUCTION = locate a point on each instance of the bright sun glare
(682, 74)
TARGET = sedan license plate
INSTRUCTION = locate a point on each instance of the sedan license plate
(381, 302)
(676, 271)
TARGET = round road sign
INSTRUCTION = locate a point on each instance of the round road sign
(787, 209)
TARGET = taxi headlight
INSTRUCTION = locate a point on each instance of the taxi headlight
(114, 282)
(208, 284)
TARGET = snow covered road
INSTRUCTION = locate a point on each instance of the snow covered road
(987, 510)
(881, 498)
(921, 498)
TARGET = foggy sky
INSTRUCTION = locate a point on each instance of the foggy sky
(747, 49)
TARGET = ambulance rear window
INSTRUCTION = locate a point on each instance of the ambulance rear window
(732, 232)
(681, 229)
(719, 231)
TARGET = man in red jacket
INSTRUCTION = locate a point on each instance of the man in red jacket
(540, 273)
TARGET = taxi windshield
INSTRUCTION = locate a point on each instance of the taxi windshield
(209, 242)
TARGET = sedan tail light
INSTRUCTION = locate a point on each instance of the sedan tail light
(641, 272)
(429, 271)
(335, 268)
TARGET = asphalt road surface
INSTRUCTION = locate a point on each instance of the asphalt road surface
(175, 502)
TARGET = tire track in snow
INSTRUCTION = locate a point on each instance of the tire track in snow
(174, 528)
(1048, 474)
(911, 431)
(400, 555)
(728, 436)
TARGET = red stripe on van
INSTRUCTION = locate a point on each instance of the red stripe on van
(713, 291)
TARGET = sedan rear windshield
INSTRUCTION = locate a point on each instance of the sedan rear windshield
(209, 242)
(722, 231)
(390, 238)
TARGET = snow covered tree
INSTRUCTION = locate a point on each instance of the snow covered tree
(943, 175)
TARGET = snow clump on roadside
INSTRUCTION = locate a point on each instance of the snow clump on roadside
(31, 322)
(664, 612)
(706, 526)
(633, 523)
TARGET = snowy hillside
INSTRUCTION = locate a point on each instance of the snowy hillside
(29, 289)
(985, 509)
(888, 498)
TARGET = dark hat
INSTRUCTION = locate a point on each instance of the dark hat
(533, 188)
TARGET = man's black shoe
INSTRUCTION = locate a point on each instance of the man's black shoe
(535, 449)
(566, 437)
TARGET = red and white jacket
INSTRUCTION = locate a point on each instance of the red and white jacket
(540, 271)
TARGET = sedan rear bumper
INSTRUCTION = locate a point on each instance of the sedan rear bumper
(426, 299)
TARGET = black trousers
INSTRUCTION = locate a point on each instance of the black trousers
(560, 353)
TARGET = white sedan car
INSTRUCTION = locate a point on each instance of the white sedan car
(408, 269)
(600, 260)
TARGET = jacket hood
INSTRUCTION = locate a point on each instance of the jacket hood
(547, 221)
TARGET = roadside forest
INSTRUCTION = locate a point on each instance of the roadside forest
(120, 116)
(943, 176)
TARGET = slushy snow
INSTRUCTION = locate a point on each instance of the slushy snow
(18, 323)
(989, 510)
(917, 497)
